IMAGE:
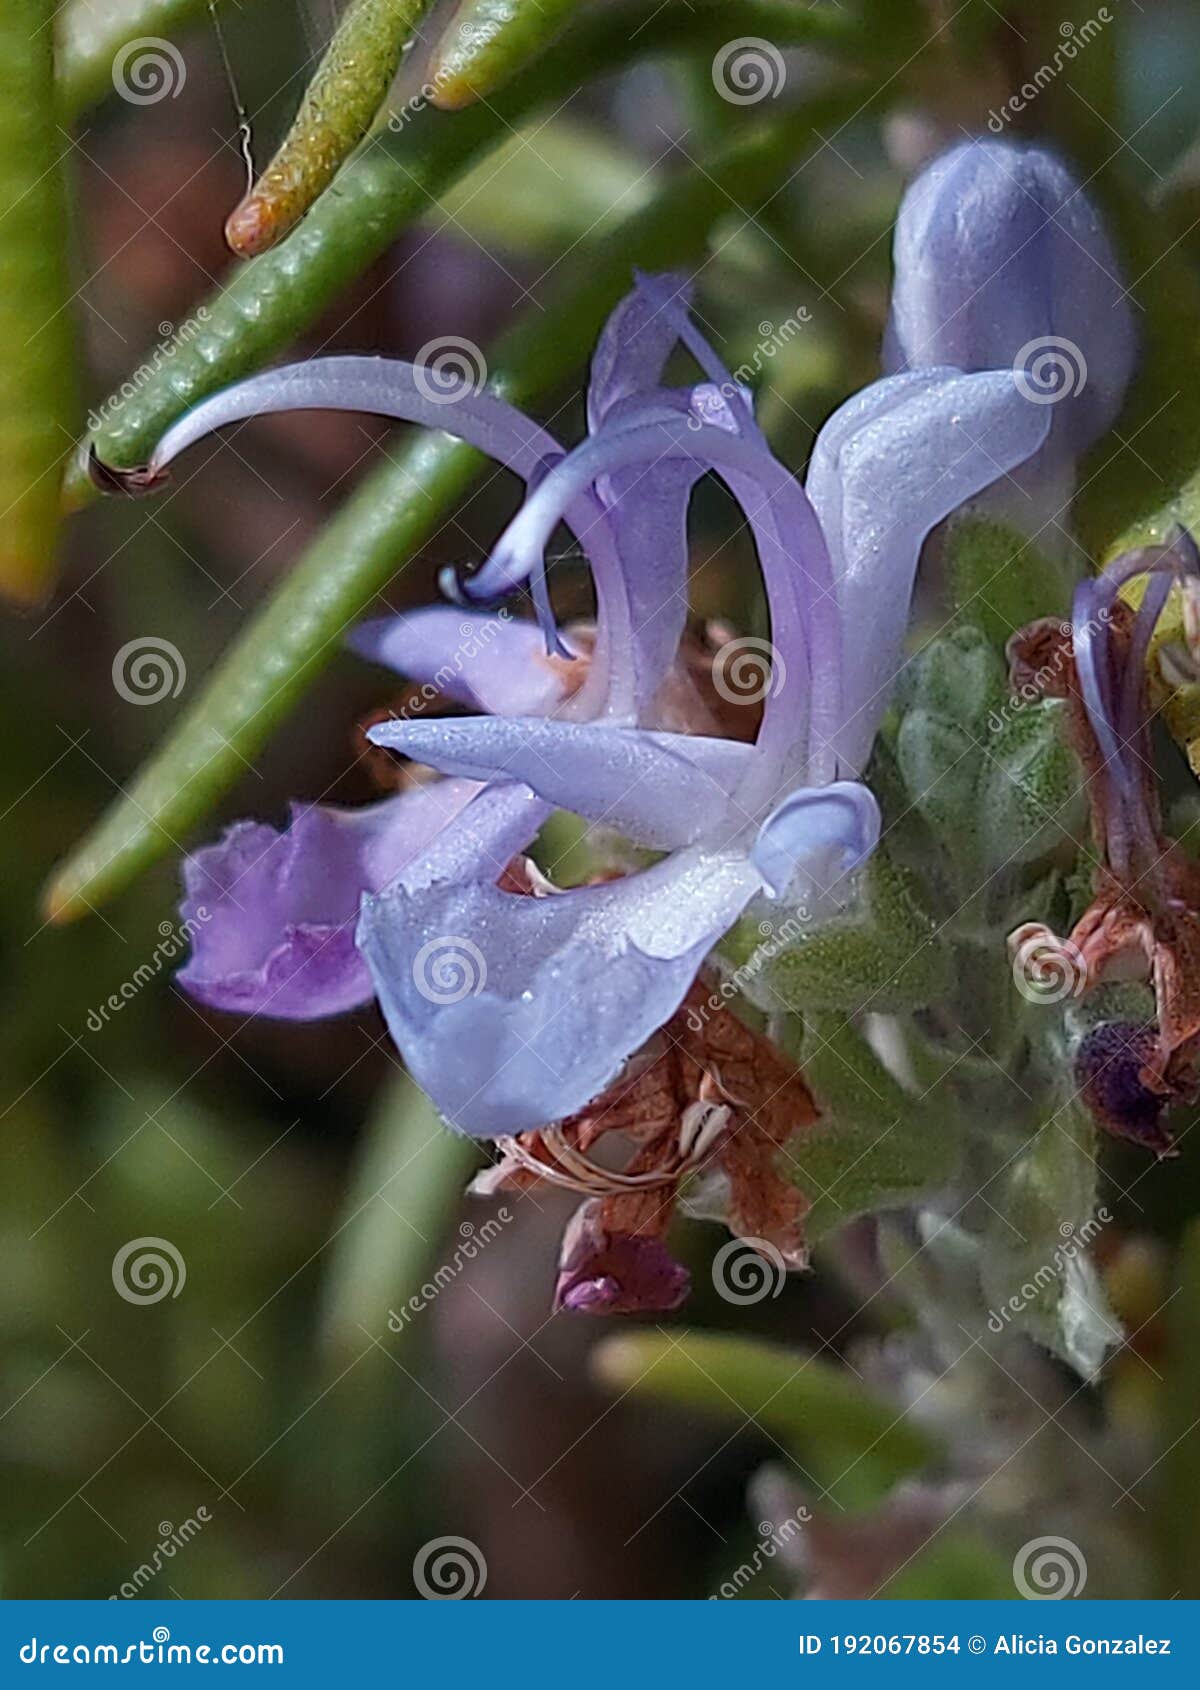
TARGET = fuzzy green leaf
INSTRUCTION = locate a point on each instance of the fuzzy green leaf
(881, 955)
(1000, 579)
(337, 110)
(487, 41)
(1038, 1219)
(876, 1145)
(1031, 797)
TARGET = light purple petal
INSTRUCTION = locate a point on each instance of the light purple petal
(997, 247)
(886, 468)
(663, 790)
(492, 661)
(647, 512)
(514, 1011)
(810, 843)
(646, 505)
(796, 566)
(391, 388)
(479, 841)
(271, 915)
(388, 387)
(634, 344)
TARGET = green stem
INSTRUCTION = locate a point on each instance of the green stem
(486, 41)
(337, 110)
(393, 511)
(36, 381)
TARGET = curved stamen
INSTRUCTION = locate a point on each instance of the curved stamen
(675, 310)
(1115, 701)
(796, 572)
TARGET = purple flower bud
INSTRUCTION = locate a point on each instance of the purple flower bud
(602, 1272)
(1108, 1072)
(1002, 263)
